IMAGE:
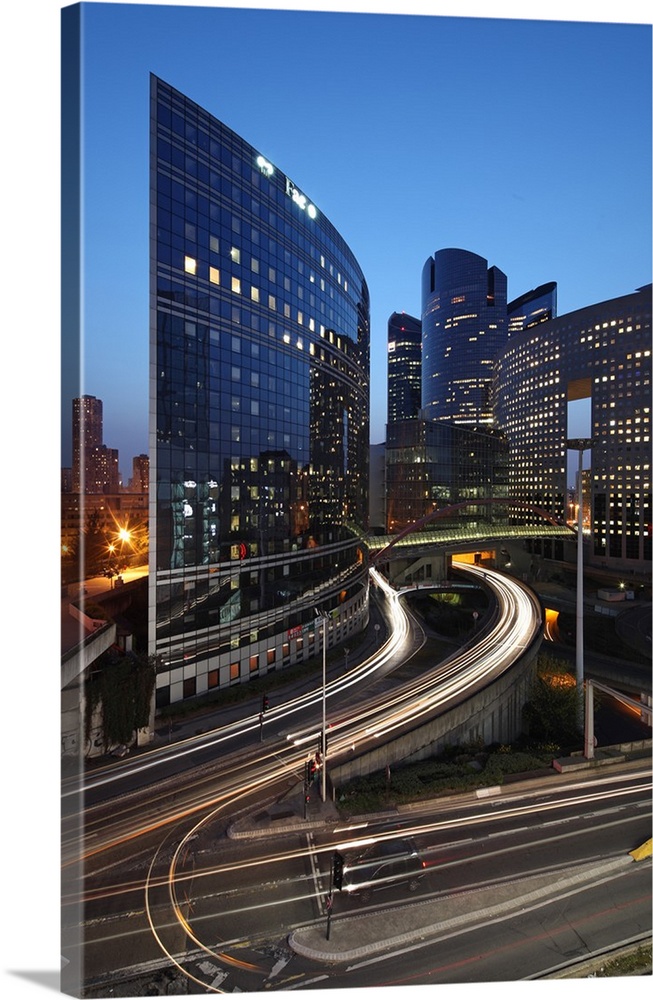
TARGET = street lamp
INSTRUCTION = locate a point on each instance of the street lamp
(110, 568)
(580, 445)
(324, 617)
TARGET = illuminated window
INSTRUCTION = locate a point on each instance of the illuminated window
(255, 294)
(234, 253)
(235, 285)
(214, 275)
(190, 265)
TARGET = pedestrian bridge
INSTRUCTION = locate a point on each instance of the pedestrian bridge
(469, 536)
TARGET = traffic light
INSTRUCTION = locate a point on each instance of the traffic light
(310, 772)
(322, 743)
(265, 703)
(338, 866)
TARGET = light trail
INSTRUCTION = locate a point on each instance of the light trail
(518, 625)
(392, 648)
(496, 649)
(436, 691)
(583, 799)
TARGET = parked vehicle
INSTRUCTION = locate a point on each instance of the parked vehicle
(382, 865)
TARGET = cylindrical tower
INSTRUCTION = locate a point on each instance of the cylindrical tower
(464, 324)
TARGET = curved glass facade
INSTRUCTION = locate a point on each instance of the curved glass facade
(259, 425)
(464, 326)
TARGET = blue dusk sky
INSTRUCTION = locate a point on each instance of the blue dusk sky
(525, 141)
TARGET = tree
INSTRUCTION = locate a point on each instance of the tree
(122, 685)
(552, 711)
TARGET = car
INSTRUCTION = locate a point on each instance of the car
(382, 865)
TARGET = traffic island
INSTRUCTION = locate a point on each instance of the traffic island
(578, 762)
(353, 937)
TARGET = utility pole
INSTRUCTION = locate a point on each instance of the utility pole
(324, 618)
(580, 445)
(337, 863)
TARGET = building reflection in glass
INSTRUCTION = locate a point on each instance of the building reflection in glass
(260, 411)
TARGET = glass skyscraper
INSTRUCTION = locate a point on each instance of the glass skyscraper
(537, 306)
(431, 464)
(464, 327)
(404, 367)
(259, 412)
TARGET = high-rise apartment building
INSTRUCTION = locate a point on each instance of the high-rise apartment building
(140, 481)
(404, 367)
(95, 467)
(259, 434)
(87, 439)
(464, 327)
(602, 353)
(104, 462)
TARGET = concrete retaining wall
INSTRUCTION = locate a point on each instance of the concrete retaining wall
(493, 715)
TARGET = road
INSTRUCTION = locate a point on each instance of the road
(225, 909)
(367, 716)
(144, 878)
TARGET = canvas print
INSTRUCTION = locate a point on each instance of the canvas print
(355, 500)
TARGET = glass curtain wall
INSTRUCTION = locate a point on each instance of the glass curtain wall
(259, 417)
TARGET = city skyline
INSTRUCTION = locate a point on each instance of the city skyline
(546, 175)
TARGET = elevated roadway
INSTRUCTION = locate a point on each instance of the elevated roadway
(476, 694)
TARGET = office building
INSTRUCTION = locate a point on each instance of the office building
(602, 353)
(404, 367)
(259, 434)
(464, 327)
(431, 464)
(537, 306)
(377, 519)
